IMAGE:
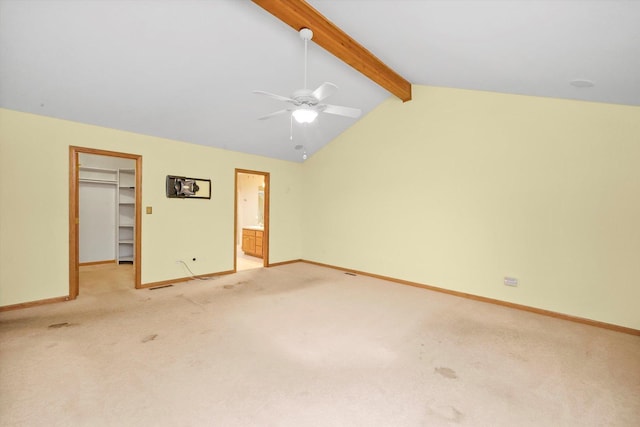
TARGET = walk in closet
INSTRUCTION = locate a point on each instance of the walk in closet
(106, 209)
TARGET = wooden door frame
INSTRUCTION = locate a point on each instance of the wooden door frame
(266, 234)
(74, 212)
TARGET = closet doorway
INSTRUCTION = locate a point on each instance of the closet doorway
(104, 220)
(251, 236)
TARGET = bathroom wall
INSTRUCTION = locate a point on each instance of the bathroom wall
(248, 203)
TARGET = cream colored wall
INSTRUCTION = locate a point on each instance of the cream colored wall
(458, 189)
(455, 189)
(34, 170)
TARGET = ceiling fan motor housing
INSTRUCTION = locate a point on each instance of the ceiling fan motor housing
(304, 97)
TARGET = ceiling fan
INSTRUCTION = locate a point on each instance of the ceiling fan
(306, 103)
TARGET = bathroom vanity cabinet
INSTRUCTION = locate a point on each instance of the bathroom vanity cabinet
(252, 241)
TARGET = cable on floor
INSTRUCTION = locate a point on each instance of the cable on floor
(193, 276)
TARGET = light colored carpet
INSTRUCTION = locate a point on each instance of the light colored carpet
(302, 345)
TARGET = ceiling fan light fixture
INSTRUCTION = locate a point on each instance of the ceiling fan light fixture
(304, 115)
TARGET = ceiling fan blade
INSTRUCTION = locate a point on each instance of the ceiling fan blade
(274, 96)
(324, 90)
(277, 113)
(342, 111)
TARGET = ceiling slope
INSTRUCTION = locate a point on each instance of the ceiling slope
(186, 70)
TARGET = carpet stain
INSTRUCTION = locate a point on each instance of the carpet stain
(446, 372)
(240, 283)
(59, 325)
(149, 338)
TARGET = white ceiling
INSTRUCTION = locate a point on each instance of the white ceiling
(186, 69)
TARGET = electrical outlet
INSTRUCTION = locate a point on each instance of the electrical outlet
(510, 281)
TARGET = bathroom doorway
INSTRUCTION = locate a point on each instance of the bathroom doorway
(251, 237)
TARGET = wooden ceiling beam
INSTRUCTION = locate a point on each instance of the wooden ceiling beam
(299, 14)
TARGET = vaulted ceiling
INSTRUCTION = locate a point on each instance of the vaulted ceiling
(185, 70)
